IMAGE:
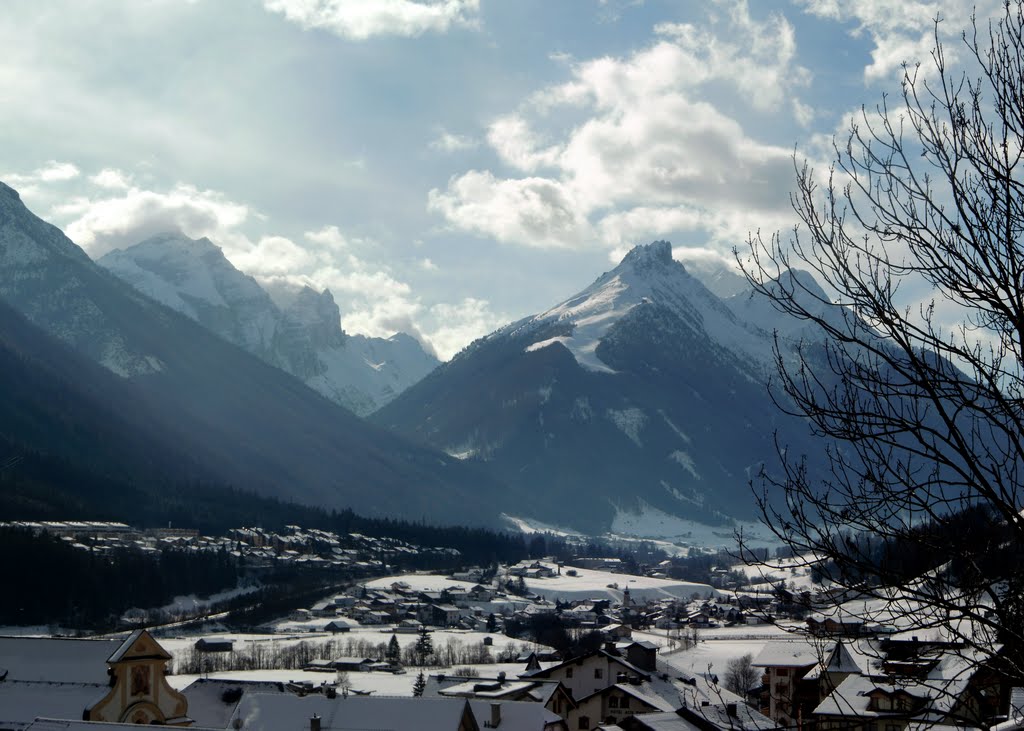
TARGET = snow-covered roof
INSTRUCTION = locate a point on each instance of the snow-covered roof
(275, 712)
(56, 660)
(206, 698)
(23, 702)
(789, 653)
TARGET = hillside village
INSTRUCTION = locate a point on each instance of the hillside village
(535, 645)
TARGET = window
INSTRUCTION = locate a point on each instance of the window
(598, 673)
(584, 722)
(568, 672)
(613, 702)
(624, 703)
(782, 672)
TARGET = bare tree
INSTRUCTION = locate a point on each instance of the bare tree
(918, 515)
(741, 675)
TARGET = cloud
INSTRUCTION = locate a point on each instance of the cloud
(630, 147)
(115, 220)
(904, 30)
(52, 171)
(111, 178)
(360, 20)
(448, 142)
(538, 212)
(461, 323)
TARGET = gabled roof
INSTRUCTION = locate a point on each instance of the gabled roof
(634, 691)
(140, 645)
(841, 661)
(546, 672)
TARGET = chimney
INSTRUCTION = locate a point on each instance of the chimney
(495, 715)
(730, 710)
(314, 723)
(609, 647)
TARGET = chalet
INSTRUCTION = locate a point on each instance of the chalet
(586, 674)
(614, 703)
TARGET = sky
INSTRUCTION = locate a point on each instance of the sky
(442, 166)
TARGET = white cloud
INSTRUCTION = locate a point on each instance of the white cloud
(458, 324)
(362, 19)
(643, 153)
(904, 30)
(448, 142)
(538, 212)
(28, 185)
(108, 221)
(518, 146)
(111, 178)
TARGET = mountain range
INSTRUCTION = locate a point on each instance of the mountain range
(180, 395)
(642, 395)
(304, 337)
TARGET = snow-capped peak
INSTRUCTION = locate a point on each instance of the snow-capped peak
(646, 274)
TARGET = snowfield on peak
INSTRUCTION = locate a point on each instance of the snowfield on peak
(648, 274)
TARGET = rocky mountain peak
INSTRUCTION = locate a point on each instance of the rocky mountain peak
(657, 254)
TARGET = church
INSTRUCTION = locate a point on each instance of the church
(116, 681)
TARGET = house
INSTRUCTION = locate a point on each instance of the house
(594, 671)
(550, 694)
(911, 684)
(214, 645)
(340, 625)
(93, 680)
(788, 696)
(614, 703)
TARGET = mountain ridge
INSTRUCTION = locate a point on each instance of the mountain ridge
(303, 337)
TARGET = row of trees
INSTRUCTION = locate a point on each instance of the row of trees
(47, 581)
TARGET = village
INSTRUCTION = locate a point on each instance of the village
(540, 644)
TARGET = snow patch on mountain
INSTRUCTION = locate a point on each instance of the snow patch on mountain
(649, 522)
(679, 432)
(629, 421)
(646, 274)
(686, 462)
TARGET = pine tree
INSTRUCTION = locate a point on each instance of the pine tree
(424, 646)
(419, 686)
(394, 651)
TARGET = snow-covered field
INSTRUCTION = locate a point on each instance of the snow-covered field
(593, 584)
(381, 684)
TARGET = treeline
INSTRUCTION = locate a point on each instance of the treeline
(285, 655)
(41, 487)
(47, 581)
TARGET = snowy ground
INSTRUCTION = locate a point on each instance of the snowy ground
(382, 684)
(715, 648)
(592, 584)
(674, 535)
(795, 572)
(444, 641)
